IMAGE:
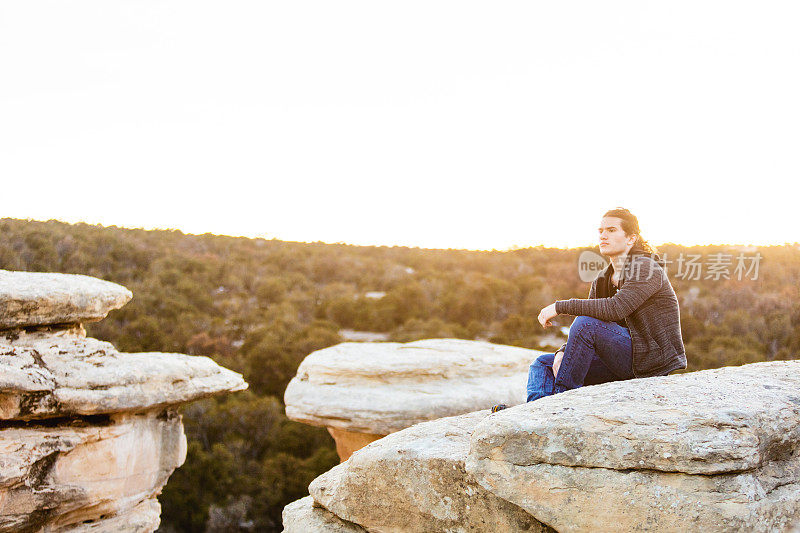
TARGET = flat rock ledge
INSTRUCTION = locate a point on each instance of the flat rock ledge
(88, 435)
(714, 451)
(717, 450)
(362, 391)
(39, 298)
(51, 373)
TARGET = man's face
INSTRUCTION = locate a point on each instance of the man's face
(612, 239)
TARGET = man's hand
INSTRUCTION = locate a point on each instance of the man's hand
(546, 314)
(557, 363)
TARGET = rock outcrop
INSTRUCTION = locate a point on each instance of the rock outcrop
(717, 450)
(88, 435)
(415, 481)
(363, 391)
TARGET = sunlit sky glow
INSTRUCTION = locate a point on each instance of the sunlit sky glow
(437, 124)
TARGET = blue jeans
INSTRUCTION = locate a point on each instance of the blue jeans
(597, 352)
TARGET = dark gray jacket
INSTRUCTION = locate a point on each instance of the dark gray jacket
(647, 303)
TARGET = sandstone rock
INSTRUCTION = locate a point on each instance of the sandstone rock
(414, 480)
(586, 499)
(38, 298)
(61, 476)
(61, 372)
(348, 442)
(303, 516)
(144, 518)
(379, 388)
(717, 450)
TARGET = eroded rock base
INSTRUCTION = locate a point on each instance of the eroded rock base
(88, 473)
(348, 442)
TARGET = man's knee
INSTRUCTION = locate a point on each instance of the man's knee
(544, 360)
(583, 324)
(585, 320)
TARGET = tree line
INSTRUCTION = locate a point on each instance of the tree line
(260, 306)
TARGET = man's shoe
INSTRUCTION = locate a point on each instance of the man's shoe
(499, 407)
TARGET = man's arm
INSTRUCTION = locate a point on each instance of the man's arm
(646, 279)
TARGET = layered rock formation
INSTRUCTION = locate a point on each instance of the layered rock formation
(717, 450)
(88, 435)
(363, 391)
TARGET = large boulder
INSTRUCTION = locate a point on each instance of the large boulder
(414, 481)
(306, 516)
(39, 298)
(89, 435)
(717, 450)
(362, 391)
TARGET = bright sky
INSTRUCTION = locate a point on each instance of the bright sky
(444, 124)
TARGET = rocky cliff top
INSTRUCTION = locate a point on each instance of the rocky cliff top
(717, 450)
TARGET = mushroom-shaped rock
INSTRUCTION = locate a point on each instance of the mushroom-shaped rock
(89, 435)
(717, 450)
(414, 481)
(38, 298)
(363, 391)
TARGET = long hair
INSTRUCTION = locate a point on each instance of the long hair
(630, 225)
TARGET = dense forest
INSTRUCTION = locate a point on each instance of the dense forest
(260, 306)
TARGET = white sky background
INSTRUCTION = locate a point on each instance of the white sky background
(438, 124)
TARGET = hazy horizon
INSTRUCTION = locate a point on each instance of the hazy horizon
(531, 245)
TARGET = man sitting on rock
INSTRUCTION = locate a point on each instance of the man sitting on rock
(628, 327)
